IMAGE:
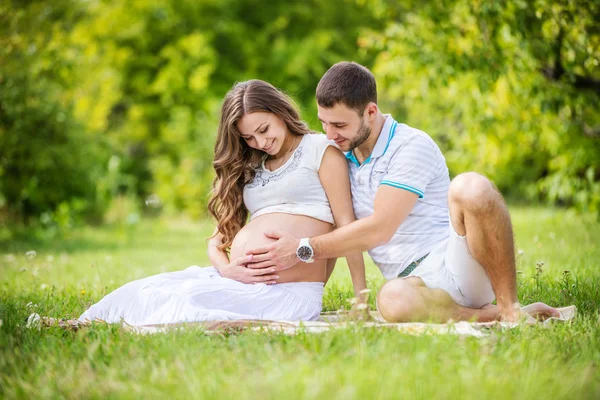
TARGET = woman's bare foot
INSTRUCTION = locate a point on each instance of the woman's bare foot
(541, 311)
(538, 311)
(529, 313)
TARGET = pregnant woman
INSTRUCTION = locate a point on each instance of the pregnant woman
(271, 167)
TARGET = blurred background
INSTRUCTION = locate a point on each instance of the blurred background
(109, 109)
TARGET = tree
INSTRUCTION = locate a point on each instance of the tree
(508, 88)
(46, 159)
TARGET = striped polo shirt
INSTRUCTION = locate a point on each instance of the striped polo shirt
(407, 159)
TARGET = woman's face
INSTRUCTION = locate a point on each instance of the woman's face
(263, 131)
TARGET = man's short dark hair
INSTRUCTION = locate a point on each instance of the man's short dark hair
(348, 83)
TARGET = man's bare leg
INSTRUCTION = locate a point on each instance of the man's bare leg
(409, 300)
(478, 211)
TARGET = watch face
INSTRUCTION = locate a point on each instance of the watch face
(304, 253)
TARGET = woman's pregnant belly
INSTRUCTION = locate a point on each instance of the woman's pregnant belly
(253, 235)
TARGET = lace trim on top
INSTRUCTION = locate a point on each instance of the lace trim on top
(262, 180)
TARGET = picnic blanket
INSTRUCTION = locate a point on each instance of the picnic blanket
(326, 322)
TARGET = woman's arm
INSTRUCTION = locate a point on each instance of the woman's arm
(334, 177)
(219, 258)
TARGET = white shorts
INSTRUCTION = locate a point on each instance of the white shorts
(451, 267)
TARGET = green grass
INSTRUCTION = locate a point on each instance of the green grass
(69, 274)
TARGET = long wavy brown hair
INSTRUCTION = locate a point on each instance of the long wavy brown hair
(235, 161)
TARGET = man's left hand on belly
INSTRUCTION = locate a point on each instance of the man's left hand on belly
(281, 253)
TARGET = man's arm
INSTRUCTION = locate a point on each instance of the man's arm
(392, 206)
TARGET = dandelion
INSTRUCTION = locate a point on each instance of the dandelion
(43, 286)
(83, 292)
(31, 254)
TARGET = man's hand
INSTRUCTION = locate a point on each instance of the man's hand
(280, 254)
(238, 270)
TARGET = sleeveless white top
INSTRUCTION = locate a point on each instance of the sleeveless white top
(293, 188)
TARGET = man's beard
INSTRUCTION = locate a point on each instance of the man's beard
(363, 133)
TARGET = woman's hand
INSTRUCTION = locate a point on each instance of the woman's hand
(238, 271)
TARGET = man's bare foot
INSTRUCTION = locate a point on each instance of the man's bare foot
(512, 314)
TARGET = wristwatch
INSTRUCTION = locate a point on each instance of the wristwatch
(305, 251)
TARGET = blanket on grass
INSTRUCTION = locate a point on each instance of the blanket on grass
(326, 322)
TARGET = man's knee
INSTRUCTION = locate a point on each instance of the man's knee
(472, 191)
(396, 300)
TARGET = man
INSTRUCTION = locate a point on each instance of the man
(446, 247)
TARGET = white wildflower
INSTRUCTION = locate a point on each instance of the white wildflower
(34, 321)
(153, 201)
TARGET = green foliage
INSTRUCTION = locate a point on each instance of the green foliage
(510, 89)
(48, 162)
(146, 78)
(106, 100)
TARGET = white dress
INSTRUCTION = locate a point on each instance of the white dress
(202, 294)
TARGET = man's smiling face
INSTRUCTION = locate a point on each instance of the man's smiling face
(344, 126)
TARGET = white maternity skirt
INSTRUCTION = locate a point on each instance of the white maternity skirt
(202, 294)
